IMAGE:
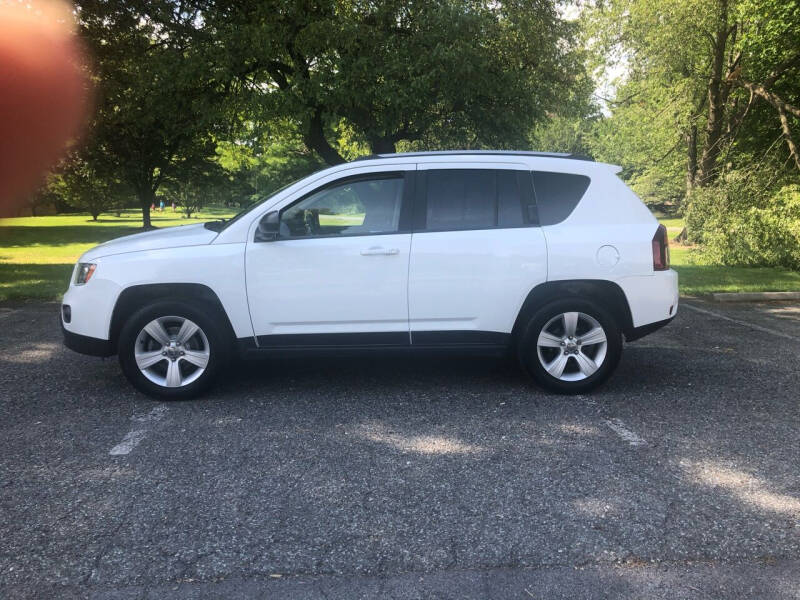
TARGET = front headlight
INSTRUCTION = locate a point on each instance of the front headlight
(84, 272)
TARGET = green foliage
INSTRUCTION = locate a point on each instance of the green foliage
(639, 138)
(434, 74)
(265, 163)
(272, 90)
(675, 122)
(82, 187)
(159, 102)
(563, 134)
(738, 222)
(205, 101)
(194, 186)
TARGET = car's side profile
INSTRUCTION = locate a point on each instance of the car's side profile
(548, 255)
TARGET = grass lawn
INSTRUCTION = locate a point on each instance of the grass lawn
(37, 254)
(697, 278)
(674, 226)
(348, 220)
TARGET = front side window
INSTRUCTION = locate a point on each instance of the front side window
(472, 199)
(355, 207)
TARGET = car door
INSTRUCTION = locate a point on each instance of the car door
(337, 274)
(476, 252)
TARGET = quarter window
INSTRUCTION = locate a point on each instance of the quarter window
(557, 194)
(472, 199)
(356, 207)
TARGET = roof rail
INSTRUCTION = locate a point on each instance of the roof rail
(478, 153)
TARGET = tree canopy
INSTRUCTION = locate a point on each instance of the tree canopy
(203, 100)
(180, 84)
(711, 84)
(159, 99)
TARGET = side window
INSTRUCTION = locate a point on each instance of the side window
(557, 195)
(355, 207)
(472, 199)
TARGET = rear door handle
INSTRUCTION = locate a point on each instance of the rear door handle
(378, 250)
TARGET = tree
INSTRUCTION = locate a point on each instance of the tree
(262, 161)
(159, 101)
(441, 73)
(81, 186)
(698, 69)
(193, 186)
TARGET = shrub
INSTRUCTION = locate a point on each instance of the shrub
(737, 223)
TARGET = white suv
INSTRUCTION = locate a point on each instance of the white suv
(548, 255)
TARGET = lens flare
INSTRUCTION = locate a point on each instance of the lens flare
(45, 93)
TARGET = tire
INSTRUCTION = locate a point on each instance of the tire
(150, 365)
(545, 347)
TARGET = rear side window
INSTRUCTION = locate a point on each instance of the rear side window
(557, 195)
(472, 199)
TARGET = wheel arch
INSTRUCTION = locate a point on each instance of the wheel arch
(135, 297)
(606, 293)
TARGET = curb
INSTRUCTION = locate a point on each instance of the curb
(755, 296)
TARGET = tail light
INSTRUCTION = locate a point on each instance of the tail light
(660, 249)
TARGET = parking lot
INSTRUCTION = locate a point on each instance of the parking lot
(405, 478)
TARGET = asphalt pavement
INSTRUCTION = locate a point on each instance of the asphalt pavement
(380, 477)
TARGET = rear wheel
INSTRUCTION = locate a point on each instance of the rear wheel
(571, 346)
(171, 350)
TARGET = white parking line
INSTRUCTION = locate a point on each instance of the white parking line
(705, 311)
(135, 436)
(626, 434)
(128, 443)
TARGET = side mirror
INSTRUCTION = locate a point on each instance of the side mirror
(268, 227)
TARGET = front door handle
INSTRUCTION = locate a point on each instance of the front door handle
(378, 250)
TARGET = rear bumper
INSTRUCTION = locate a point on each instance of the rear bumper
(652, 298)
(85, 344)
(639, 332)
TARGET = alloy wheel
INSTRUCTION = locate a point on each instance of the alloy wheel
(172, 351)
(572, 346)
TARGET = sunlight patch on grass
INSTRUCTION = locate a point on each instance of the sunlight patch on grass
(37, 253)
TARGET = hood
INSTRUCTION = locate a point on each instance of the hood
(157, 239)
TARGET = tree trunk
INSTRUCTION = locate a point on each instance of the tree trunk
(691, 165)
(716, 101)
(94, 216)
(315, 139)
(146, 199)
(146, 216)
(382, 145)
(787, 136)
(783, 108)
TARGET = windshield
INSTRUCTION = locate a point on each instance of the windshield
(225, 223)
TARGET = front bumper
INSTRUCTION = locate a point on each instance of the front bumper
(85, 344)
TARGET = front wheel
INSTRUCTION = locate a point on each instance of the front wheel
(171, 350)
(570, 346)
